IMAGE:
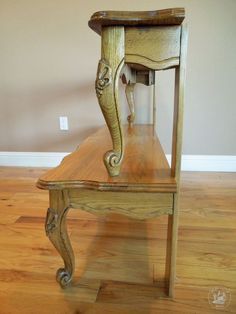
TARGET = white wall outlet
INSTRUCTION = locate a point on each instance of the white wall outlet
(63, 123)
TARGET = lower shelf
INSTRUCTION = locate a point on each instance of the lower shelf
(144, 167)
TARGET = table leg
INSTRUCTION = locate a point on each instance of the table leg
(108, 74)
(56, 230)
(129, 91)
(171, 250)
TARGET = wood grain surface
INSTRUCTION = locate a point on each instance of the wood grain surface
(108, 74)
(144, 167)
(174, 16)
(119, 261)
(123, 199)
(149, 39)
(156, 48)
(136, 205)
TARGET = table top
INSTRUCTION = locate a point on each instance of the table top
(173, 16)
(144, 167)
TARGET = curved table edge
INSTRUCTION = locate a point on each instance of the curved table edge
(102, 186)
(171, 16)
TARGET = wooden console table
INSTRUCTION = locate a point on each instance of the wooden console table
(143, 185)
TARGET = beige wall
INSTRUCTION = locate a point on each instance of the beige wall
(48, 61)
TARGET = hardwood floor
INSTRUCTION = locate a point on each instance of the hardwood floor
(119, 261)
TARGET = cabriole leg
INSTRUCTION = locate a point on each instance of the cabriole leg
(56, 230)
(108, 74)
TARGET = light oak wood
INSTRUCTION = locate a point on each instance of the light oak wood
(136, 73)
(174, 16)
(132, 74)
(145, 41)
(120, 261)
(129, 91)
(145, 168)
(134, 205)
(80, 182)
(176, 155)
(56, 230)
(180, 73)
(154, 106)
(156, 48)
(109, 68)
(145, 187)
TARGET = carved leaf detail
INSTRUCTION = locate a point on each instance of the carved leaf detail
(104, 77)
(51, 221)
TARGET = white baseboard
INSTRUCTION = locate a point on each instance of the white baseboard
(218, 163)
(189, 162)
(30, 159)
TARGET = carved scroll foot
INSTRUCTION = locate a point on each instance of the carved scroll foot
(129, 90)
(63, 277)
(112, 162)
(108, 74)
(56, 230)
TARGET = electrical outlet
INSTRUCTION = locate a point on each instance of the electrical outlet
(63, 123)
